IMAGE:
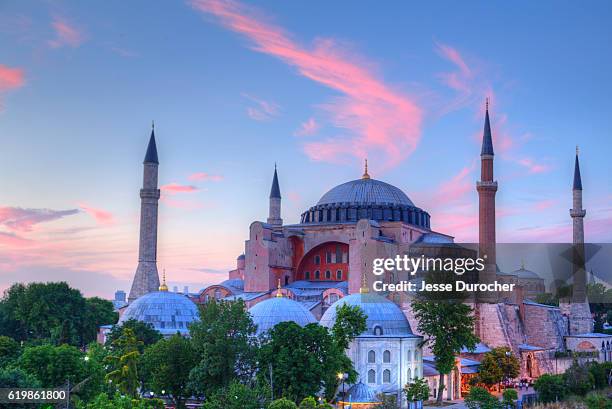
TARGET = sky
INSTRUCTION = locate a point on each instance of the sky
(235, 87)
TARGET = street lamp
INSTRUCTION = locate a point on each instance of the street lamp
(341, 378)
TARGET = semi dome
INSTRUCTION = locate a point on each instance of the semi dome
(365, 191)
(168, 312)
(384, 317)
(365, 198)
(360, 393)
(272, 311)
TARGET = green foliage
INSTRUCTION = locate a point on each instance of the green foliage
(52, 312)
(52, 365)
(17, 378)
(417, 390)
(123, 362)
(303, 360)
(9, 350)
(497, 365)
(223, 340)
(480, 398)
(578, 379)
(598, 401)
(144, 332)
(282, 403)
(308, 402)
(169, 362)
(448, 325)
(599, 373)
(547, 299)
(350, 322)
(550, 388)
(236, 396)
(387, 401)
(102, 401)
(509, 397)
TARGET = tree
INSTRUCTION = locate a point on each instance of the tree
(509, 398)
(350, 322)
(447, 323)
(102, 401)
(236, 396)
(9, 350)
(303, 360)
(308, 402)
(225, 346)
(547, 299)
(578, 379)
(169, 363)
(480, 398)
(54, 365)
(282, 403)
(123, 362)
(550, 388)
(387, 401)
(498, 365)
(144, 332)
(17, 378)
(417, 390)
(99, 312)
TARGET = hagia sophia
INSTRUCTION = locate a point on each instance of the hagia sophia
(303, 272)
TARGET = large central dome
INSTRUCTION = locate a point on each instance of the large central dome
(365, 198)
(365, 191)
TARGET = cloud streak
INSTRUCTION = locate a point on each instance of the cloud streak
(174, 188)
(66, 34)
(262, 110)
(307, 128)
(101, 216)
(374, 117)
(23, 219)
(10, 78)
(204, 177)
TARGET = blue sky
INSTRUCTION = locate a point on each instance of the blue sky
(234, 88)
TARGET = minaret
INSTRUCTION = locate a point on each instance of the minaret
(146, 279)
(487, 187)
(274, 216)
(580, 314)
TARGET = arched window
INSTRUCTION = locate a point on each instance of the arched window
(409, 373)
(286, 280)
(371, 357)
(328, 275)
(328, 257)
(307, 275)
(386, 357)
(378, 330)
(317, 259)
(386, 376)
(217, 294)
(371, 376)
(317, 275)
(339, 275)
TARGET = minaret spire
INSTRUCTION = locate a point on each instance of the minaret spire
(146, 278)
(274, 214)
(487, 188)
(365, 175)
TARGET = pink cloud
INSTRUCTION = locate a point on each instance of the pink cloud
(66, 34)
(23, 220)
(101, 216)
(376, 118)
(532, 166)
(263, 110)
(12, 240)
(294, 196)
(204, 177)
(544, 204)
(174, 188)
(456, 187)
(309, 127)
(10, 78)
(181, 204)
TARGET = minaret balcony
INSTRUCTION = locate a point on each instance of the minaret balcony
(577, 212)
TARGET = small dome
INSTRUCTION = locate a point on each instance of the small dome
(365, 191)
(384, 317)
(236, 283)
(361, 393)
(272, 311)
(524, 273)
(168, 312)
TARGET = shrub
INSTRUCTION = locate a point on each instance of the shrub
(480, 398)
(510, 396)
(578, 379)
(308, 403)
(597, 401)
(282, 403)
(550, 387)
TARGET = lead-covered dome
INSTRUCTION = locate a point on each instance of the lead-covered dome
(384, 317)
(168, 312)
(365, 198)
(272, 311)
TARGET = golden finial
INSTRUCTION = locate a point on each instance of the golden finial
(577, 150)
(364, 284)
(279, 294)
(487, 103)
(365, 173)
(163, 286)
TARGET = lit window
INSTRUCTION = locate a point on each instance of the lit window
(371, 357)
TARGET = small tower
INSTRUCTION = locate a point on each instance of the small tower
(487, 187)
(580, 317)
(274, 216)
(146, 278)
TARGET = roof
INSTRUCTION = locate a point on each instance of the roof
(365, 191)
(429, 370)
(524, 273)
(480, 349)
(487, 140)
(577, 178)
(267, 314)
(380, 313)
(275, 191)
(151, 155)
(590, 335)
(361, 393)
(527, 347)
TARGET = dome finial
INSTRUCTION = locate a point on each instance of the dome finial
(577, 150)
(522, 264)
(364, 284)
(163, 286)
(365, 173)
(279, 294)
